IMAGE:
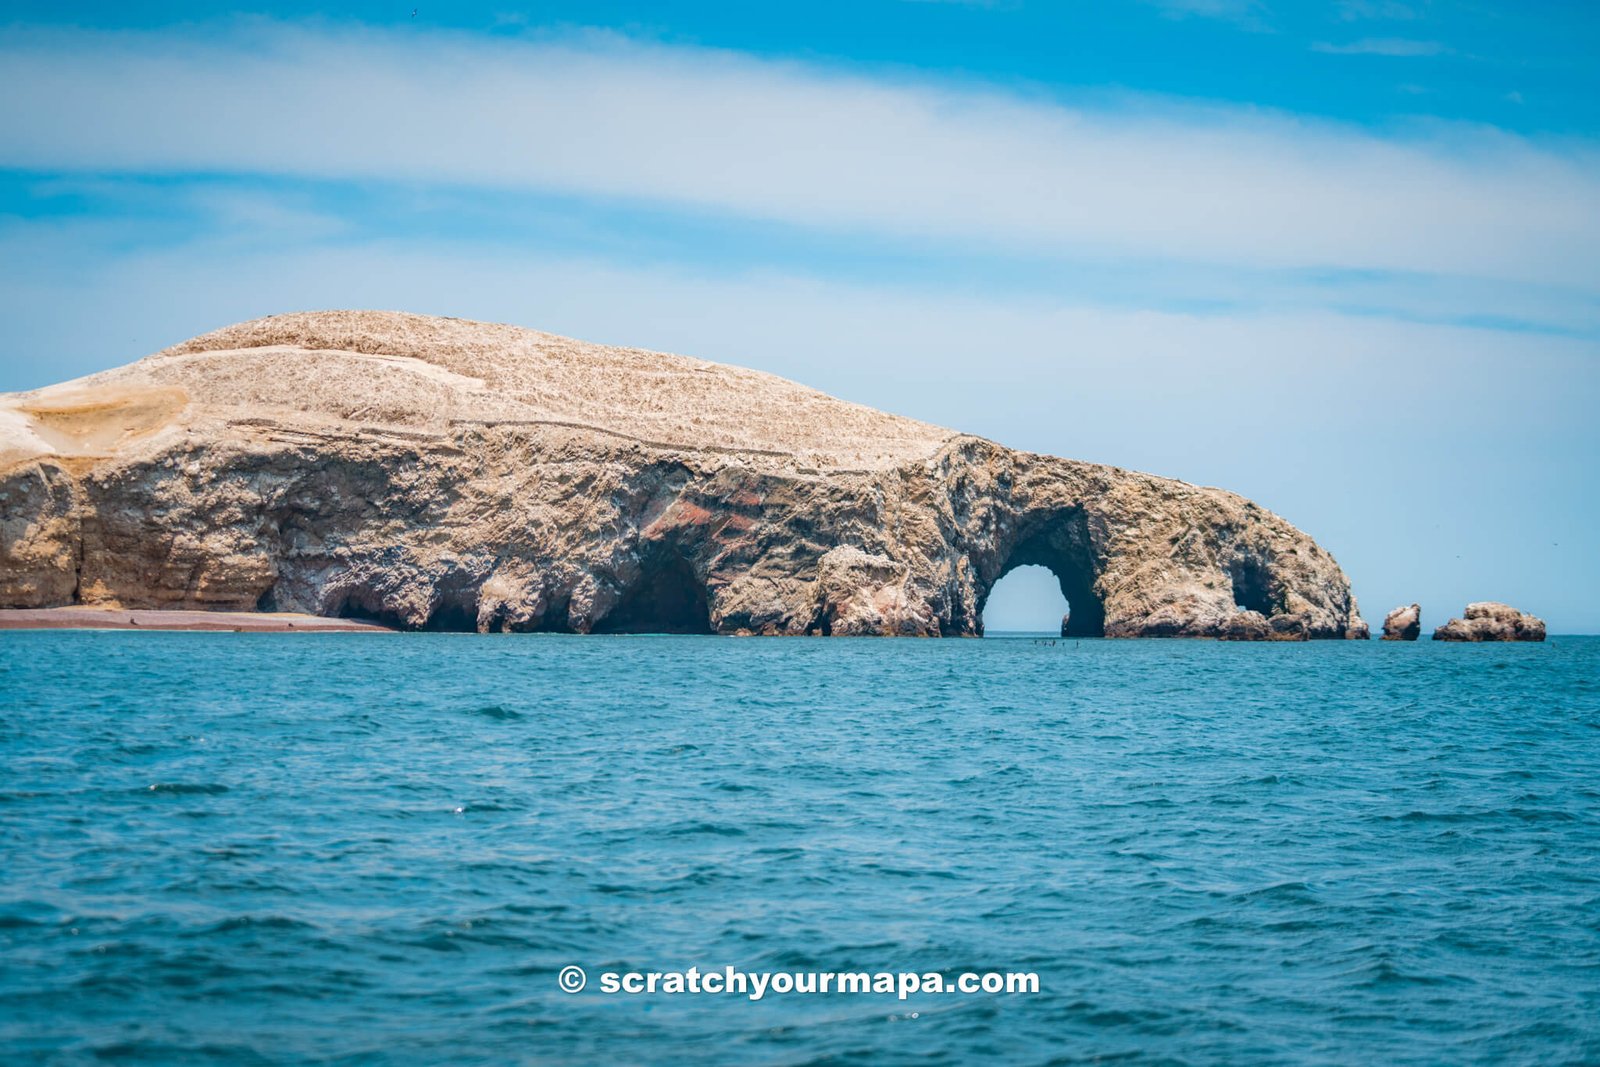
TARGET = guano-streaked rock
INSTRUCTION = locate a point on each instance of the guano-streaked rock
(1488, 620)
(1403, 623)
(438, 473)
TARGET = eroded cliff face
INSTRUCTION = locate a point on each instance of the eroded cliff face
(436, 473)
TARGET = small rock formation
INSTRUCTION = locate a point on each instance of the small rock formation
(442, 474)
(1490, 621)
(1403, 623)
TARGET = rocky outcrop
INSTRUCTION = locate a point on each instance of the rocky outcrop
(436, 473)
(1403, 623)
(1490, 621)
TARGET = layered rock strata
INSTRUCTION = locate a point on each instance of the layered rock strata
(443, 474)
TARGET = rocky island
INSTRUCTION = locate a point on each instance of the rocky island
(1403, 623)
(433, 473)
(1488, 620)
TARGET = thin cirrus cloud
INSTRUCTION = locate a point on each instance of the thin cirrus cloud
(1244, 12)
(1399, 47)
(802, 145)
(1356, 10)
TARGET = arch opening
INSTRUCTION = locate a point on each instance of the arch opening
(1059, 543)
(666, 598)
(1252, 586)
(1026, 599)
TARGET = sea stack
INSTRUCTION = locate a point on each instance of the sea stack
(1491, 621)
(1403, 623)
(444, 474)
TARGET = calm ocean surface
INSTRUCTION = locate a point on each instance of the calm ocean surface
(354, 849)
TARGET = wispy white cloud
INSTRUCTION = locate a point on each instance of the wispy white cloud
(265, 214)
(1394, 10)
(714, 132)
(261, 215)
(1385, 46)
(1248, 13)
(1001, 4)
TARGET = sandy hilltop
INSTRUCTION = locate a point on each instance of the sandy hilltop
(440, 473)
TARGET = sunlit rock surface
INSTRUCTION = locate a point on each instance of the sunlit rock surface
(1403, 623)
(439, 473)
(1491, 621)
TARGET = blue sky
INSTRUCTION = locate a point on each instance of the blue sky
(1338, 257)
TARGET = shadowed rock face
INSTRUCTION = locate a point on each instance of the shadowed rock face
(443, 474)
(1490, 621)
(1403, 623)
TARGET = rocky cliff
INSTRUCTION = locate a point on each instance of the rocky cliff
(437, 473)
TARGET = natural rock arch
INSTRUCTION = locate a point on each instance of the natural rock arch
(1058, 541)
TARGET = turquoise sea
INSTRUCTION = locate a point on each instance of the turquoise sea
(382, 849)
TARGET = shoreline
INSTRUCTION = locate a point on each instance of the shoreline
(81, 617)
(78, 617)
